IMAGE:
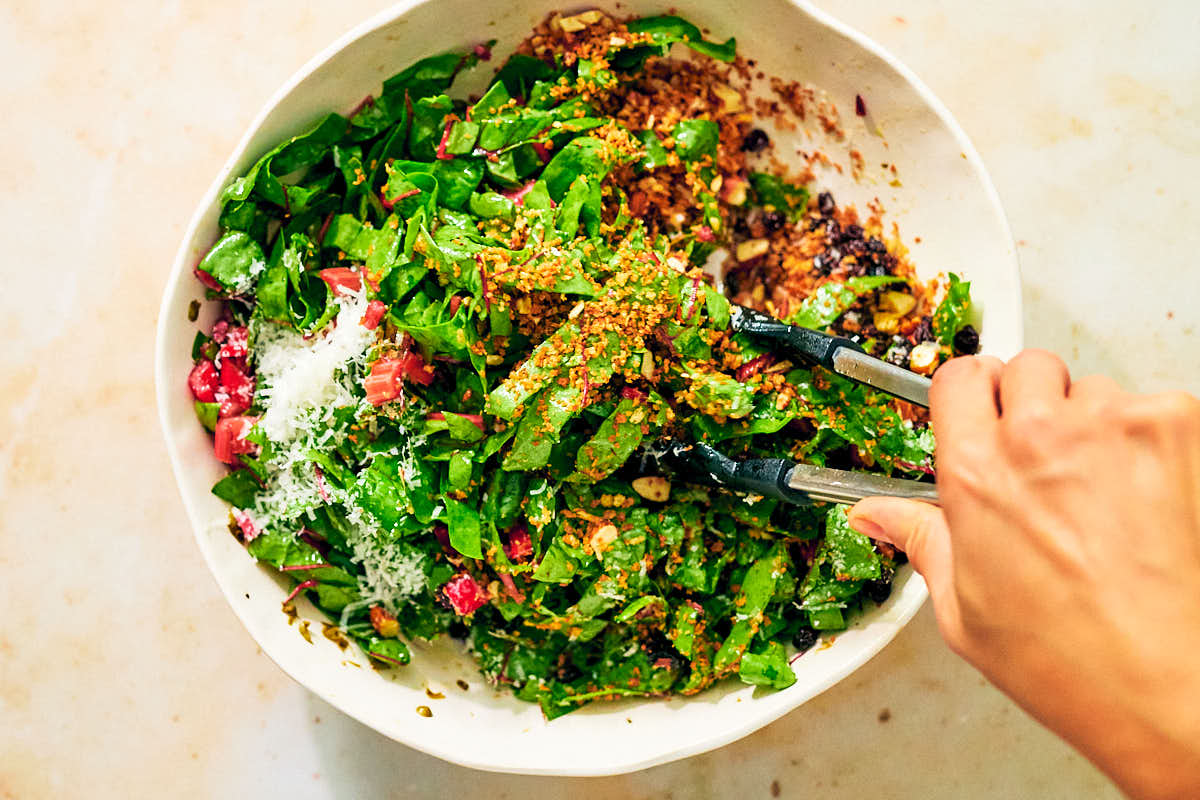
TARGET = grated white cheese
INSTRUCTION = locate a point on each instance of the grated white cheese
(250, 279)
(292, 488)
(392, 571)
(301, 383)
(298, 375)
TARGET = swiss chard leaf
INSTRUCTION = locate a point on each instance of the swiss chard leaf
(583, 155)
(767, 666)
(540, 427)
(843, 561)
(521, 72)
(695, 138)
(787, 198)
(616, 438)
(557, 565)
(429, 76)
(465, 530)
(716, 394)
(234, 261)
(666, 30)
(398, 495)
(238, 488)
(823, 307)
(758, 587)
(389, 651)
(296, 153)
(953, 312)
(535, 372)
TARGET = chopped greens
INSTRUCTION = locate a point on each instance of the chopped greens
(453, 333)
(954, 310)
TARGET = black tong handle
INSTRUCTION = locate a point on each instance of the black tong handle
(814, 346)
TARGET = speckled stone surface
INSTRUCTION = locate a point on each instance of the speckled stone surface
(122, 671)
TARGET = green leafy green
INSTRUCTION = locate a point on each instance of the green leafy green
(831, 300)
(465, 531)
(470, 326)
(238, 488)
(695, 138)
(844, 560)
(667, 30)
(233, 262)
(954, 310)
(776, 193)
(767, 667)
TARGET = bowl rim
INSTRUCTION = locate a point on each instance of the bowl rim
(175, 284)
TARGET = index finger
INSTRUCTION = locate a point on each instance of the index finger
(963, 398)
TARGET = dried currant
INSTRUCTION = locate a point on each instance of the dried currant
(966, 341)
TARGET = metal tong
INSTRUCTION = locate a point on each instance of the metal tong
(836, 353)
(804, 484)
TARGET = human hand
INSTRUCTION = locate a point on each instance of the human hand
(1064, 561)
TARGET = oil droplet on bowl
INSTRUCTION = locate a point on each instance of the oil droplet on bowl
(424, 711)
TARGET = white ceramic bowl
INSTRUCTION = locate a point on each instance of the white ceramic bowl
(944, 197)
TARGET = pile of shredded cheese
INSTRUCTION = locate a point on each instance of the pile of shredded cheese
(302, 381)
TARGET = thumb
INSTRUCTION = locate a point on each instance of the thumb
(919, 529)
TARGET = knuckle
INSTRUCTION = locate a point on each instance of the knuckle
(1179, 407)
(1030, 434)
(949, 372)
(966, 469)
(1033, 355)
(1169, 413)
(957, 368)
(1101, 389)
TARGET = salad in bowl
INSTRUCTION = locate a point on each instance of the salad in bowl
(453, 329)
(419, 362)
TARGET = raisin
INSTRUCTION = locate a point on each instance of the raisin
(922, 333)
(804, 639)
(802, 428)
(966, 341)
(876, 246)
(856, 247)
(755, 140)
(852, 232)
(879, 590)
(773, 221)
(657, 645)
(825, 204)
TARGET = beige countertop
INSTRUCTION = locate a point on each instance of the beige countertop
(122, 671)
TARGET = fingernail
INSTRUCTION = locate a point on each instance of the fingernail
(864, 526)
